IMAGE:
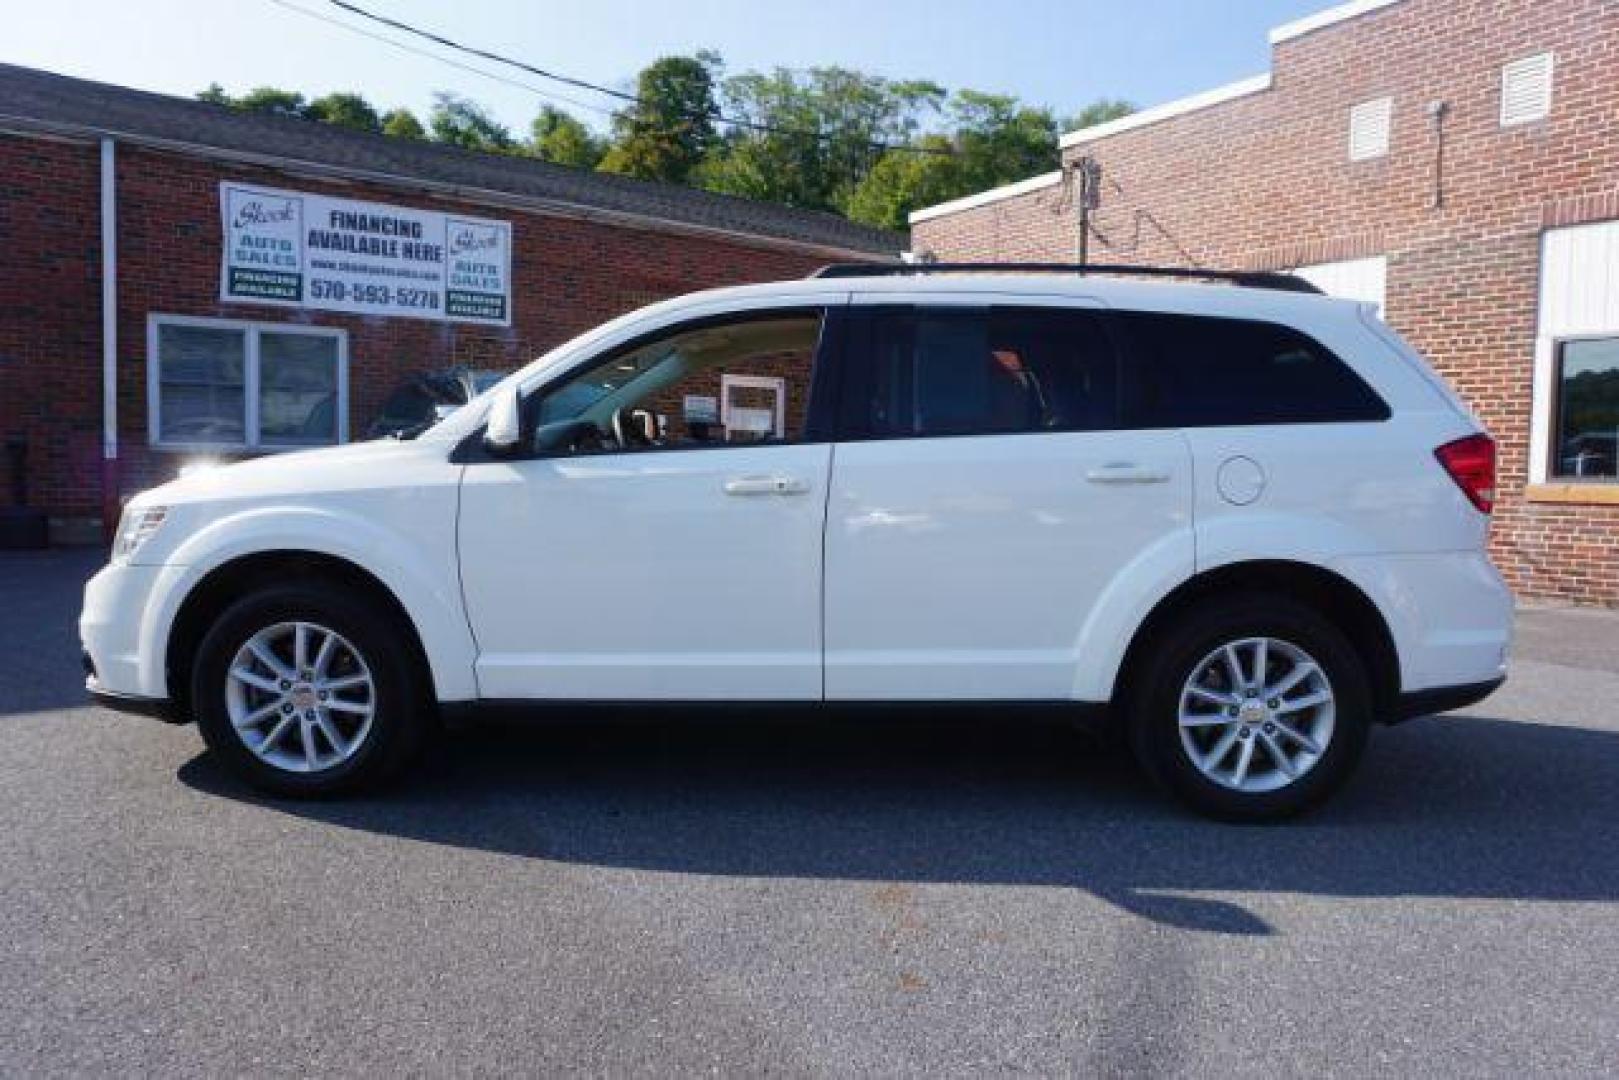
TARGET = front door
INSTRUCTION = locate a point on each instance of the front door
(986, 498)
(645, 550)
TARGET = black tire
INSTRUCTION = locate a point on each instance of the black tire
(1170, 660)
(399, 715)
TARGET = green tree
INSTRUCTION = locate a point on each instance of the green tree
(214, 95)
(459, 122)
(669, 129)
(993, 140)
(273, 100)
(814, 135)
(345, 110)
(1098, 112)
(999, 140)
(402, 124)
(559, 138)
(901, 182)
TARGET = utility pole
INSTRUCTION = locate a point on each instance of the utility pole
(1088, 172)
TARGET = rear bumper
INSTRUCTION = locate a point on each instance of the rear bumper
(1450, 615)
(1439, 699)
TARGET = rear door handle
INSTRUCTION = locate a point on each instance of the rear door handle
(1126, 472)
(765, 485)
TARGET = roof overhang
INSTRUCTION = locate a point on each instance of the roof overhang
(89, 134)
(1220, 94)
(1007, 191)
(1323, 19)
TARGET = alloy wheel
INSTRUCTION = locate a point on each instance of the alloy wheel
(1256, 714)
(300, 697)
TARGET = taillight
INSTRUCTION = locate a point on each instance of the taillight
(1471, 463)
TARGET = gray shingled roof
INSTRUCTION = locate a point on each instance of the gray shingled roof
(60, 102)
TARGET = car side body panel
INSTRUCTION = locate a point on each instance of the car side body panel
(325, 502)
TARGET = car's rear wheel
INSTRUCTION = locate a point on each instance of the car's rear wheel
(1251, 707)
(306, 691)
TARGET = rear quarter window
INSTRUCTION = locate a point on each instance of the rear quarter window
(1200, 371)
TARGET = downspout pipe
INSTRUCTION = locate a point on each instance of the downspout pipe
(110, 502)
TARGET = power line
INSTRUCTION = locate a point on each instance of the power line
(550, 95)
(714, 116)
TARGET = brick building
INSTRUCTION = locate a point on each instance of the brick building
(1457, 162)
(179, 280)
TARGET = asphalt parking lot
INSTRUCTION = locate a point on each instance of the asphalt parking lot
(772, 895)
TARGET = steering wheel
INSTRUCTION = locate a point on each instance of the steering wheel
(629, 428)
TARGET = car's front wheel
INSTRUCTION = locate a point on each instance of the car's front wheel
(306, 691)
(1251, 707)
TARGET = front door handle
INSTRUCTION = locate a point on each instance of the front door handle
(765, 485)
(1126, 472)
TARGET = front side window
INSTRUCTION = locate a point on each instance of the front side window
(1586, 435)
(715, 383)
(1000, 371)
(229, 385)
(1197, 371)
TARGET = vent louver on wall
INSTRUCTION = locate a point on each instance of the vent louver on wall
(1369, 129)
(1526, 90)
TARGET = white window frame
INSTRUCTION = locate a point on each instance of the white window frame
(772, 383)
(1568, 314)
(1377, 110)
(1507, 72)
(1553, 407)
(251, 403)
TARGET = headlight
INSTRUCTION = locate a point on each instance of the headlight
(136, 527)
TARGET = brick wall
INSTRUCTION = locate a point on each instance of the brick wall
(568, 274)
(1264, 181)
(50, 320)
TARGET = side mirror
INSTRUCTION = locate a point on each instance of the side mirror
(504, 432)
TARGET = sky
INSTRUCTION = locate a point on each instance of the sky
(1060, 53)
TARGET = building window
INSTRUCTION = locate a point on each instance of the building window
(220, 384)
(1369, 124)
(1526, 90)
(1586, 429)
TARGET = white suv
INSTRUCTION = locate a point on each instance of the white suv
(1239, 524)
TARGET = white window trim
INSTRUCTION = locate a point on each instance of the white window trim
(1548, 388)
(1556, 325)
(1551, 88)
(1383, 108)
(250, 382)
(754, 382)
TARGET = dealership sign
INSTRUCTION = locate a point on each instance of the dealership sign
(288, 247)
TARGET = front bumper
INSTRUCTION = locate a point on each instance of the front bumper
(119, 630)
(157, 708)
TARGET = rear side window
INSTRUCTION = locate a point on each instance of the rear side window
(929, 372)
(1195, 371)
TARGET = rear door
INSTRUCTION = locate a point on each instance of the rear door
(985, 498)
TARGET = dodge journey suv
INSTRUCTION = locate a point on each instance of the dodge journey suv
(1237, 523)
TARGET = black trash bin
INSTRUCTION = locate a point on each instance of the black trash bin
(21, 526)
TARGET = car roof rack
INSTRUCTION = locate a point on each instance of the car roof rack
(1252, 279)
